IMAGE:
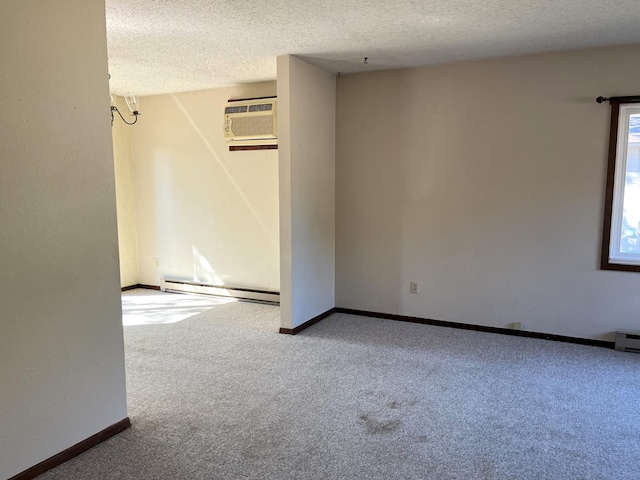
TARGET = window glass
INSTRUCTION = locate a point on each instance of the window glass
(631, 199)
(624, 241)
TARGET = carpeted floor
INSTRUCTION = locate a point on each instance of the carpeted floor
(221, 395)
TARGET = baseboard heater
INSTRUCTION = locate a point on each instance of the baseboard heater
(628, 342)
(184, 286)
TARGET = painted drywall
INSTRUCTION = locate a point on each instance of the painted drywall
(483, 182)
(61, 350)
(207, 214)
(125, 195)
(307, 190)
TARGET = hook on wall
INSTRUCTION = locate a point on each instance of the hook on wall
(366, 60)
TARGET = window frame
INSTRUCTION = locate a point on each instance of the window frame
(621, 110)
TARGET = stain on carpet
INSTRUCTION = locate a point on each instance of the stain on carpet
(374, 426)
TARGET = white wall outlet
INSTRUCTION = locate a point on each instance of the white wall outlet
(516, 326)
(157, 262)
(413, 287)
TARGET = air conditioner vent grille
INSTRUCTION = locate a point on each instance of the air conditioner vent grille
(263, 107)
(235, 109)
(251, 126)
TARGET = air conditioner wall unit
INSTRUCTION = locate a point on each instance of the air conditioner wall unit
(251, 122)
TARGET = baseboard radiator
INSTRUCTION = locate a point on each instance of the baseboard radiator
(184, 286)
(628, 342)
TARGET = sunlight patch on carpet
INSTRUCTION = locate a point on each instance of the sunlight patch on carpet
(145, 309)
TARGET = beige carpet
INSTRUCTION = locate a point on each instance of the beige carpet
(221, 395)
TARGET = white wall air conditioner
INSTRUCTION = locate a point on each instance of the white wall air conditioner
(251, 122)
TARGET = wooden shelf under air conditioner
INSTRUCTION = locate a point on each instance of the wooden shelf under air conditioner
(237, 148)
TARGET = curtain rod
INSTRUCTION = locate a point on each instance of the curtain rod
(611, 100)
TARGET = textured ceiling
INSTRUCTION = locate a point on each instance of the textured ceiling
(162, 46)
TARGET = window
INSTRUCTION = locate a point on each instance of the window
(621, 233)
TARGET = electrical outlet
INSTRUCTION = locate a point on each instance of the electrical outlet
(516, 326)
(413, 287)
(157, 261)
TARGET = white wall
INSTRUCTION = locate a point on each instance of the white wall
(125, 196)
(306, 96)
(207, 214)
(484, 182)
(61, 349)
